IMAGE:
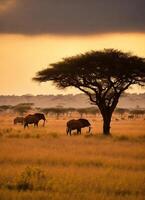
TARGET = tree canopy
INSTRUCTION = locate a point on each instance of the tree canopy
(102, 75)
(22, 108)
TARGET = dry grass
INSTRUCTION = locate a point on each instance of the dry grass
(45, 164)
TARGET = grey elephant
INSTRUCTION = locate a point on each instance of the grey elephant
(77, 125)
(34, 119)
(18, 120)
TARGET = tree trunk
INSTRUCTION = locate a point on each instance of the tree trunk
(106, 122)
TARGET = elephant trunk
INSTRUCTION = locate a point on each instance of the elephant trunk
(44, 122)
(90, 128)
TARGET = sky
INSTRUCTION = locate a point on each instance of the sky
(35, 33)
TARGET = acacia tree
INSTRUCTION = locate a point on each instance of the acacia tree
(102, 75)
(22, 108)
(5, 107)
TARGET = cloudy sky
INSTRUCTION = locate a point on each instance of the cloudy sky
(34, 33)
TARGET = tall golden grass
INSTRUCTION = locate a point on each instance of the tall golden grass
(44, 163)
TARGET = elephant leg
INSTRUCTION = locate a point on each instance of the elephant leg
(70, 131)
(26, 125)
(79, 131)
(67, 130)
(35, 124)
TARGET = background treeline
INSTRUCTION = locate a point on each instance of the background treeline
(60, 111)
(75, 101)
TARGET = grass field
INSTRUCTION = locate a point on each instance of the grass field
(45, 163)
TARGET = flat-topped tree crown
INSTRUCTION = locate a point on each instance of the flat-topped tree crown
(102, 75)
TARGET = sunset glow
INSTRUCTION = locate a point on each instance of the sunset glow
(72, 99)
(22, 56)
(35, 33)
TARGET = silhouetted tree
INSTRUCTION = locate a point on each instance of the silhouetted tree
(102, 75)
(22, 108)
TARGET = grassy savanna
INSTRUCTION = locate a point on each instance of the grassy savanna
(45, 163)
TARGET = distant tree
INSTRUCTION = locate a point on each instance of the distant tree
(93, 110)
(46, 111)
(137, 112)
(54, 110)
(102, 75)
(69, 111)
(86, 111)
(59, 110)
(22, 108)
(121, 111)
(5, 107)
(82, 111)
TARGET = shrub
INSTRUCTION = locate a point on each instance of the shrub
(54, 135)
(122, 138)
(32, 179)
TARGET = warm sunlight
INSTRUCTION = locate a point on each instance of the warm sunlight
(86, 140)
(22, 56)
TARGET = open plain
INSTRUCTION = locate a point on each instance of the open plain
(44, 163)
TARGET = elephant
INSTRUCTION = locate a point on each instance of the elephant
(78, 125)
(18, 120)
(34, 119)
(41, 116)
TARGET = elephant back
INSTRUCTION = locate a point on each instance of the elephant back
(74, 124)
(31, 119)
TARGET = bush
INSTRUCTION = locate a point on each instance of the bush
(32, 179)
(122, 138)
(54, 135)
